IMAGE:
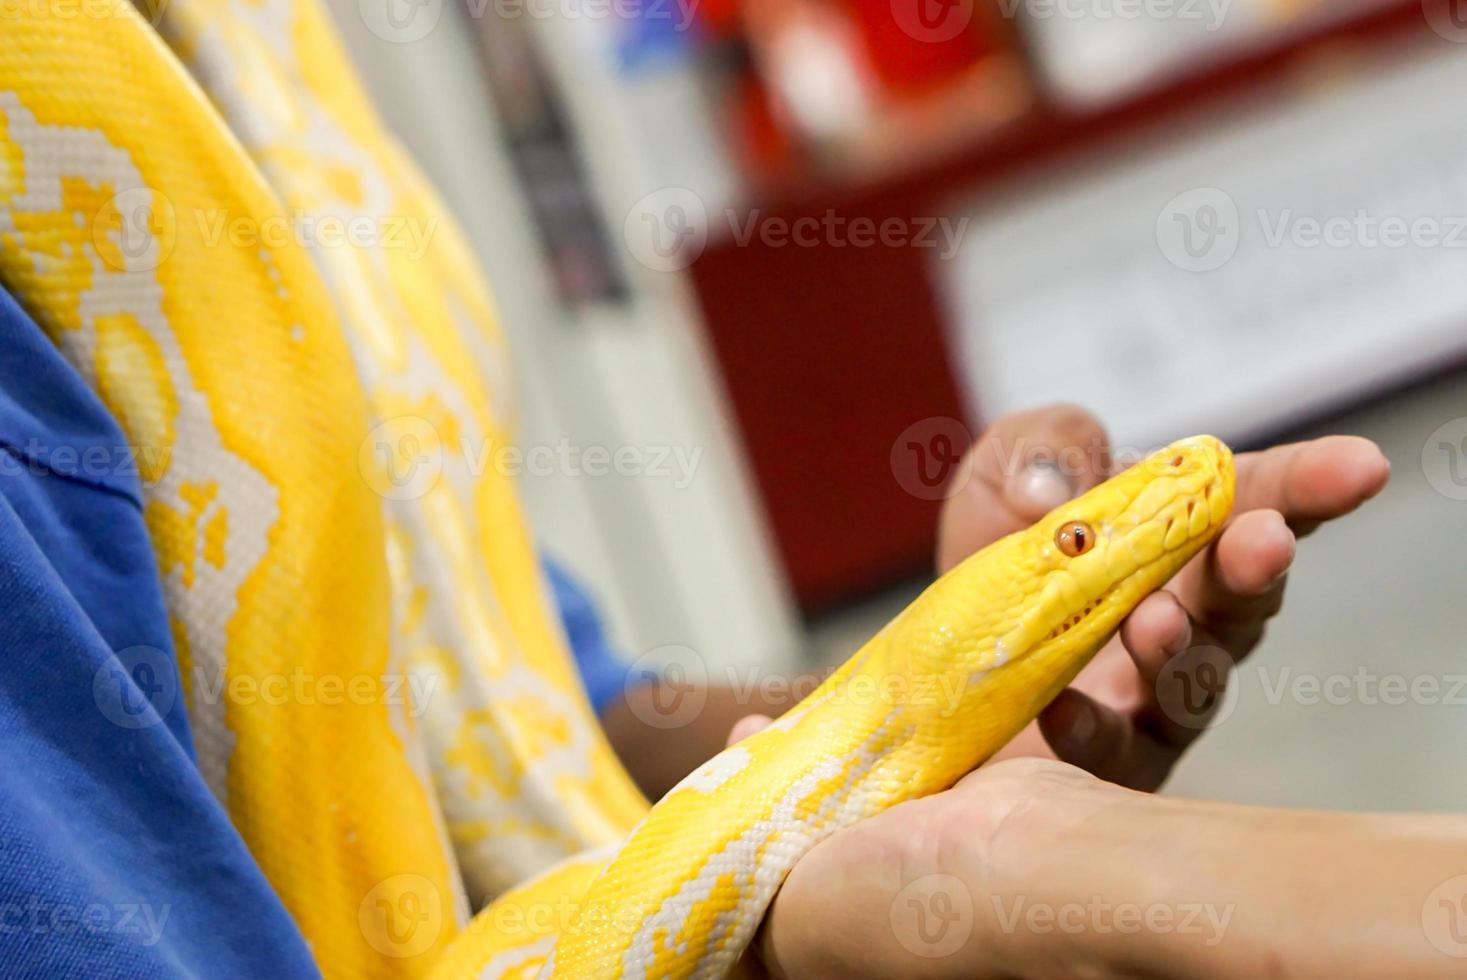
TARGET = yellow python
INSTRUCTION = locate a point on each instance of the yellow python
(165, 198)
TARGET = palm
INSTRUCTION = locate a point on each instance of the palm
(940, 852)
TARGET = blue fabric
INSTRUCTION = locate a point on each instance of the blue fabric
(115, 859)
(602, 670)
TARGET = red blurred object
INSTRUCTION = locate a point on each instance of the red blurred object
(910, 66)
(829, 353)
(719, 17)
(766, 152)
(852, 88)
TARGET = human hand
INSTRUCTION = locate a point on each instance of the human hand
(929, 888)
(1110, 722)
(1033, 868)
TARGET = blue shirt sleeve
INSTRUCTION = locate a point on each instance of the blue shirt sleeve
(603, 672)
(115, 858)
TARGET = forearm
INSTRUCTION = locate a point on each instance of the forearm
(662, 733)
(1036, 871)
(1162, 887)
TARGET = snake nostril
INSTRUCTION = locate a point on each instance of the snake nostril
(1176, 461)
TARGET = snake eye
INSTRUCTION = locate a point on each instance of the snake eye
(1075, 538)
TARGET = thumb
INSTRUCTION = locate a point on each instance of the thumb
(1026, 464)
(1038, 487)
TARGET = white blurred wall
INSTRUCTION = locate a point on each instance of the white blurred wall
(674, 565)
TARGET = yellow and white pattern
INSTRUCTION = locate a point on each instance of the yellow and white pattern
(313, 406)
(521, 771)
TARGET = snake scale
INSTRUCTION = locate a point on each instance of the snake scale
(157, 175)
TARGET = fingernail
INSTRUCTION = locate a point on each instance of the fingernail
(1040, 486)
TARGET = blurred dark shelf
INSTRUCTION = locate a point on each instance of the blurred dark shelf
(1049, 129)
(829, 353)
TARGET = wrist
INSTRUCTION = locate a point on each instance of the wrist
(1183, 888)
(1059, 874)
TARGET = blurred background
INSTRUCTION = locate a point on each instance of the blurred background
(767, 267)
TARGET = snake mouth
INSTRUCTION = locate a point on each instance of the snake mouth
(1121, 541)
(1079, 617)
(1214, 490)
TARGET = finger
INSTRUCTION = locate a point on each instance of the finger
(1312, 482)
(1086, 733)
(1238, 583)
(1157, 630)
(746, 726)
(1186, 696)
(1024, 466)
(1104, 742)
(1156, 634)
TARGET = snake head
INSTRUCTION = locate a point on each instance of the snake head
(1092, 560)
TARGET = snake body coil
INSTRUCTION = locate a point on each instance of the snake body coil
(945, 685)
(165, 193)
